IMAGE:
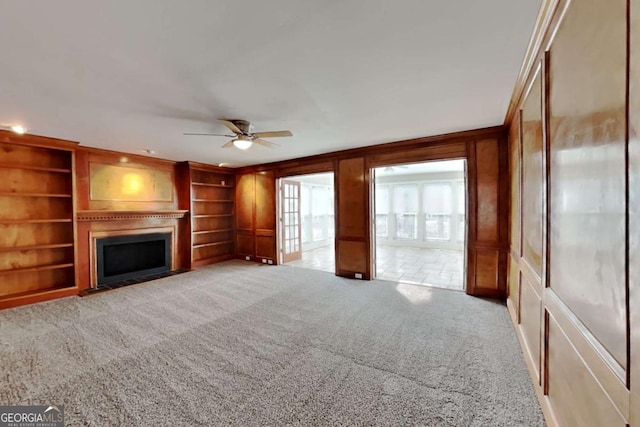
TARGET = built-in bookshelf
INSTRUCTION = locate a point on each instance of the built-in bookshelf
(37, 242)
(212, 214)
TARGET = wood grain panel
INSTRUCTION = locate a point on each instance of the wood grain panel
(28, 156)
(265, 201)
(130, 183)
(266, 246)
(514, 288)
(31, 258)
(23, 283)
(531, 322)
(574, 393)
(532, 177)
(34, 181)
(292, 168)
(245, 243)
(634, 210)
(587, 99)
(447, 151)
(245, 201)
(514, 179)
(486, 267)
(35, 234)
(351, 201)
(34, 208)
(352, 256)
(101, 181)
(487, 175)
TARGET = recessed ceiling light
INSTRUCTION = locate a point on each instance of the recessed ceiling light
(124, 159)
(18, 129)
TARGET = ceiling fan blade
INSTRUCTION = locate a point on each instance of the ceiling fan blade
(231, 125)
(265, 143)
(209, 134)
(228, 144)
(273, 134)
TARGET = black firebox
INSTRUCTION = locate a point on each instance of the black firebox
(129, 257)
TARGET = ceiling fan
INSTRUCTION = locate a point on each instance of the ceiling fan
(393, 168)
(244, 136)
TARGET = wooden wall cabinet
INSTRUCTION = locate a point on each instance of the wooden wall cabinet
(37, 206)
(208, 192)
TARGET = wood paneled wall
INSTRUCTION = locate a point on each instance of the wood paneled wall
(353, 206)
(574, 157)
(486, 151)
(256, 216)
(85, 157)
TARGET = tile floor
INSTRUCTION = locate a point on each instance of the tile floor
(440, 268)
(322, 259)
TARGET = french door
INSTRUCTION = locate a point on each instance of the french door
(291, 221)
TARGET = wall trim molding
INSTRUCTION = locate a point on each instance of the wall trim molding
(100, 215)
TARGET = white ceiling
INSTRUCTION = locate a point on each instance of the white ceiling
(134, 75)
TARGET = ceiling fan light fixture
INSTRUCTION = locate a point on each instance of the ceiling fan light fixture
(20, 130)
(242, 143)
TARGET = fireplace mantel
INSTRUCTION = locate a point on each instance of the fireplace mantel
(104, 215)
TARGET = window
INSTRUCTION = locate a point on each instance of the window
(305, 204)
(405, 206)
(461, 199)
(437, 210)
(318, 210)
(382, 211)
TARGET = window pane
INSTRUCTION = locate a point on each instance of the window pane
(405, 198)
(461, 228)
(406, 226)
(437, 226)
(331, 227)
(318, 221)
(461, 198)
(382, 199)
(318, 200)
(437, 198)
(382, 221)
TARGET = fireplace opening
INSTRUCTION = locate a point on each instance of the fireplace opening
(121, 258)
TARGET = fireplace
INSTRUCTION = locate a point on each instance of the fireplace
(132, 256)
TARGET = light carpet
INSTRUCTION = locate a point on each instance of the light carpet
(249, 345)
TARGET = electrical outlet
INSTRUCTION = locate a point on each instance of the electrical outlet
(264, 261)
(248, 258)
(358, 275)
(270, 261)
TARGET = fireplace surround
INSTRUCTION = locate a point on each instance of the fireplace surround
(132, 256)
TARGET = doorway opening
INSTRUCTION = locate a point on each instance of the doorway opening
(421, 223)
(307, 221)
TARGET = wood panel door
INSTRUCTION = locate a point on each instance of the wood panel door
(291, 221)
